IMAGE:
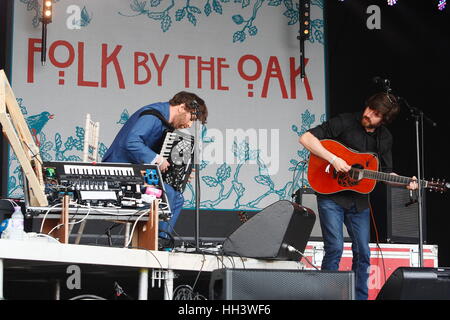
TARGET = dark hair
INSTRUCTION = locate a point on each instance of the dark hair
(386, 104)
(188, 99)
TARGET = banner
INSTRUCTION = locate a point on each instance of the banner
(111, 57)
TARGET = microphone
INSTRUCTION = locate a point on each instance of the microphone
(194, 104)
(411, 199)
(385, 83)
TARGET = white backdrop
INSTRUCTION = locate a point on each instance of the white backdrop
(111, 57)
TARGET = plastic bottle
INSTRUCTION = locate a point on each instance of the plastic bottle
(15, 225)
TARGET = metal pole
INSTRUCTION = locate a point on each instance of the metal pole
(420, 189)
(197, 187)
(127, 233)
(57, 290)
(168, 285)
(1, 280)
(143, 284)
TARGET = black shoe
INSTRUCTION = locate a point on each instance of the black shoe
(165, 244)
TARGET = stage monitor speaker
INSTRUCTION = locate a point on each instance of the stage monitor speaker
(272, 232)
(397, 218)
(266, 284)
(417, 284)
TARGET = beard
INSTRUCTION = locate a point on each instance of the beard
(365, 122)
(177, 121)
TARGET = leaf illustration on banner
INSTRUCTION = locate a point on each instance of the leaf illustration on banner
(317, 28)
(207, 9)
(85, 18)
(46, 147)
(274, 3)
(31, 5)
(138, 6)
(192, 19)
(210, 181)
(155, 3)
(12, 186)
(23, 109)
(265, 180)
(166, 23)
(252, 30)
(245, 3)
(194, 9)
(239, 188)
(237, 18)
(180, 14)
(217, 7)
(163, 11)
(318, 3)
(124, 116)
(223, 173)
(239, 36)
(206, 139)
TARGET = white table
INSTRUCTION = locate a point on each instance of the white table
(37, 252)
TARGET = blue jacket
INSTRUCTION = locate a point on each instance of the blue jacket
(137, 139)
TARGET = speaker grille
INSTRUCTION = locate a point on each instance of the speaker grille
(404, 219)
(254, 284)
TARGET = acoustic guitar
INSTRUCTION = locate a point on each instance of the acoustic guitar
(362, 177)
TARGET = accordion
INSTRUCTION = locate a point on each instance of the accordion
(178, 150)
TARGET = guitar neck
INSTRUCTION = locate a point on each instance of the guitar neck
(386, 177)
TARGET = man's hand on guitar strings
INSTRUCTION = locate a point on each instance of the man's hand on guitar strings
(340, 165)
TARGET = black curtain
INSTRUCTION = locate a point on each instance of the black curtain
(412, 50)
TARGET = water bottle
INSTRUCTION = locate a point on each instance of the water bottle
(15, 225)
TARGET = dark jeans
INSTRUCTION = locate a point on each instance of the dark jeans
(176, 201)
(332, 218)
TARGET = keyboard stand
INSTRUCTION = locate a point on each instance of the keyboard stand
(61, 233)
(145, 235)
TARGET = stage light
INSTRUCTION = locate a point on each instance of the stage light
(47, 12)
(441, 4)
(392, 2)
(304, 31)
(304, 12)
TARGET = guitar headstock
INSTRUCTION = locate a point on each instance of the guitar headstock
(438, 185)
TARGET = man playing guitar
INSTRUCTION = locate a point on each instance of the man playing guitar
(363, 132)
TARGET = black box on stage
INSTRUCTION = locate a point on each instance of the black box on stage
(264, 284)
(267, 234)
(397, 218)
(417, 284)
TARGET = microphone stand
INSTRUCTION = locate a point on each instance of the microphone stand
(419, 117)
(197, 183)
